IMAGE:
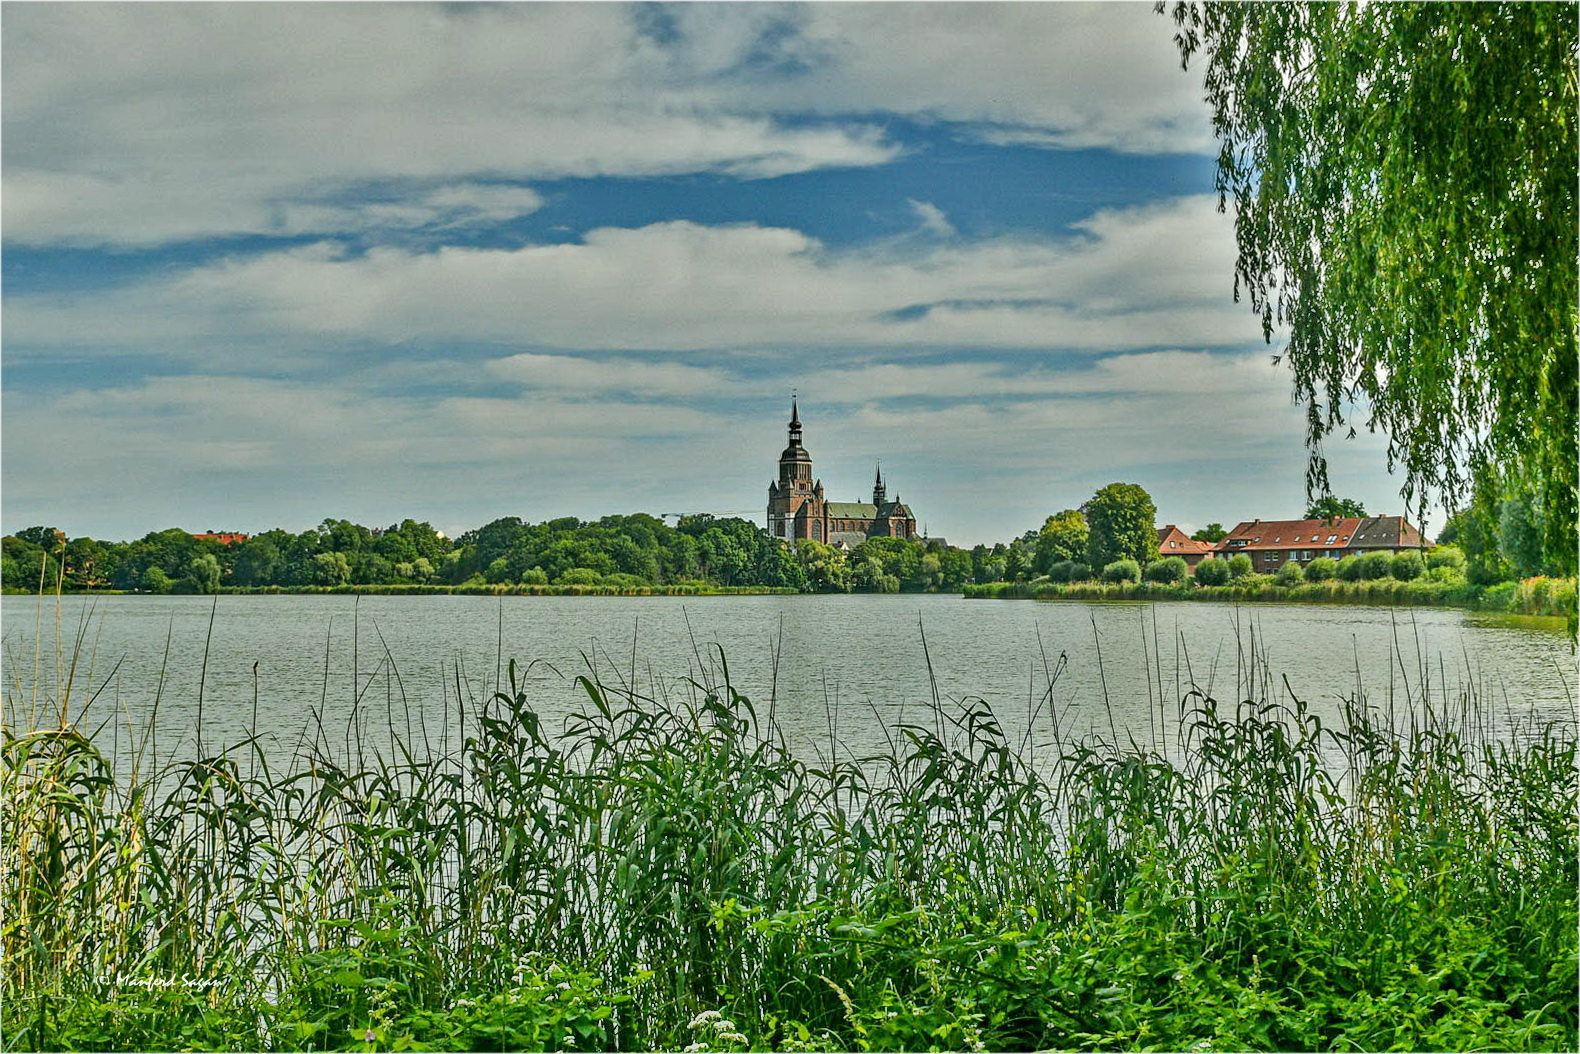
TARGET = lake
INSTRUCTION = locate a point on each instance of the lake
(833, 671)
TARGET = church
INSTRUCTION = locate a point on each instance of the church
(797, 509)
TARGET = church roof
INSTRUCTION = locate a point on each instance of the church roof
(852, 510)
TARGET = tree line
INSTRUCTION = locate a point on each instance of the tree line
(1113, 536)
(621, 551)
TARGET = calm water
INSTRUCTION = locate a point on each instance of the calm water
(842, 670)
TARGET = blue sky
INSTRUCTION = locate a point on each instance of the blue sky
(265, 264)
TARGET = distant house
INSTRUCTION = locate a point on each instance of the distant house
(1271, 543)
(222, 537)
(1173, 542)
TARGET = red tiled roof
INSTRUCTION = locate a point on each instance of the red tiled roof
(1173, 542)
(1350, 532)
(222, 537)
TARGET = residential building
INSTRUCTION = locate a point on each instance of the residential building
(1270, 543)
(1174, 542)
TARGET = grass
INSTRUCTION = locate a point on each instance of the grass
(1549, 597)
(662, 874)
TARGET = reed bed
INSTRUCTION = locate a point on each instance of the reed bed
(662, 873)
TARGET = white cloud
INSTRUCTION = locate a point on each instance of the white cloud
(1149, 276)
(136, 124)
(932, 218)
(985, 457)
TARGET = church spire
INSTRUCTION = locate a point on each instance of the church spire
(879, 492)
(795, 420)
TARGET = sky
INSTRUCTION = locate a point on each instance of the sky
(266, 264)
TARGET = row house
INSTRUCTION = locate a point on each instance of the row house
(1271, 543)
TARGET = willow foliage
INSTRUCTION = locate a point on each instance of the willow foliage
(1403, 178)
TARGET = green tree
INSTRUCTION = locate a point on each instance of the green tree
(1520, 520)
(1239, 565)
(1289, 574)
(1063, 537)
(154, 580)
(1122, 522)
(47, 538)
(1213, 532)
(1403, 180)
(331, 569)
(202, 575)
(1328, 507)
(823, 566)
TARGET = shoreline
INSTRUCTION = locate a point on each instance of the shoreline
(1536, 597)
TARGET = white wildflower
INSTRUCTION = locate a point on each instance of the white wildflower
(704, 1017)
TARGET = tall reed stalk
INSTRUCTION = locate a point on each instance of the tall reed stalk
(1263, 882)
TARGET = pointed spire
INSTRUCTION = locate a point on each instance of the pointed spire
(878, 489)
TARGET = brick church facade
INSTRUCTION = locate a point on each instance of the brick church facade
(798, 510)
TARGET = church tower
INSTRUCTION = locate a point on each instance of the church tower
(879, 491)
(795, 500)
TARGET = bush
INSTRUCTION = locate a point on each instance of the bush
(1126, 570)
(1376, 566)
(1446, 556)
(1212, 572)
(1080, 572)
(1060, 571)
(1349, 568)
(579, 576)
(1290, 574)
(1406, 566)
(1239, 565)
(1321, 569)
(1170, 570)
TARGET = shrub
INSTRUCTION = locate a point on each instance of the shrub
(1122, 571)
(579, 576)
(1406, 566)
(1349, 568)
(1376, 565)
(1321, 569)
(1170, 570)
(1060, 571)
(535, 576)
(1239, 565)
(1080, 572)
(1212, 572)
(1446, 556)
(1290, 574)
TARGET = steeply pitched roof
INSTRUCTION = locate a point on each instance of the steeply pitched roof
(852, 510)
(1173, 542)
